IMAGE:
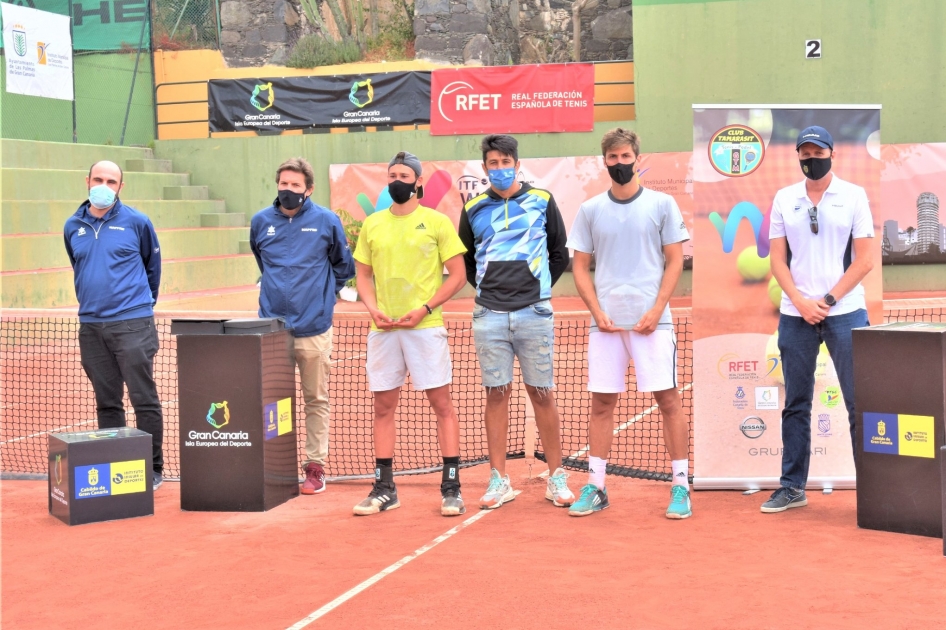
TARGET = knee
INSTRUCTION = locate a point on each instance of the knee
(496, 396)
(667, 400)
(541, 396)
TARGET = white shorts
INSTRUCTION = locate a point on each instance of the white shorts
(393, 354)
(654, 355)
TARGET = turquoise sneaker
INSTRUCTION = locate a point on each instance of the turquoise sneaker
(679, 503)
(592, 499)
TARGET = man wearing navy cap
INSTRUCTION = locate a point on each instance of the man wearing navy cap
(820, 231)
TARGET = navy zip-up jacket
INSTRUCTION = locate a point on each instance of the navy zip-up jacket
(116, 261)
(305, 261)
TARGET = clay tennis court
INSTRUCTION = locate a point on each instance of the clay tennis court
(526, 565)
(310, 563)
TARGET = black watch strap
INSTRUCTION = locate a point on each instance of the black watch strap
(829, 300)
(430, 311)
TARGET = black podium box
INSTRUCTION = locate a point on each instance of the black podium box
(237, 410)
(101, 475)
(900, 398)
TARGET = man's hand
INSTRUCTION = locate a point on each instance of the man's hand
(812, 311)
(381, 320)
(605, 324)
(648, 323)
(412, 318)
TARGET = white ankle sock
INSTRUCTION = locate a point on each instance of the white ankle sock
(596, 471)
(681, 472)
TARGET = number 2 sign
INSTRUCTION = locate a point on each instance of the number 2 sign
(812, 49)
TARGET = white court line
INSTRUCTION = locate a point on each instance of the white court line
(344, 597)
(625, 425)
(68, 426)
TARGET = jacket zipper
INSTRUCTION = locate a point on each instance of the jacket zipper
(506, 204)
(96, 232)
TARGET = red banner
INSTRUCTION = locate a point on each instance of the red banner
(513, 99)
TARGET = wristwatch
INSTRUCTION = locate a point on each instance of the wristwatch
(829, 300)
(430, 311)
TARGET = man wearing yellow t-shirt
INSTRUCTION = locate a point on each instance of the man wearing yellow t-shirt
(399, 259)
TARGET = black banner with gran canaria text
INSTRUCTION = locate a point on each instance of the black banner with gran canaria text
(391, 98)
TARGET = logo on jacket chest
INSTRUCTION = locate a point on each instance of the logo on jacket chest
(81, 232)
(271, 231)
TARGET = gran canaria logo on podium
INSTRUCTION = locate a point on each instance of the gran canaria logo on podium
(881, 428)
(58, 469)
(353, 95)
(214, 421)
(93, 476)
(259, 90)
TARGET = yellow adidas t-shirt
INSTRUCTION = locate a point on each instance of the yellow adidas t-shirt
(407, 254)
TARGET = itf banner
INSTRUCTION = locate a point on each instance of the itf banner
(513, 99)
(392, 98)
(38, 51)
(742, 155)
(361, 189)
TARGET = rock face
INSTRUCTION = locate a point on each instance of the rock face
(607, 30)
(521, 31)
(257, 32)
(466, 31)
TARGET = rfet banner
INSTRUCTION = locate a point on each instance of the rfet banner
(38, 52)
(98, 24)
(742, 156)
(361, 189)
(392, 98)
(513, 99)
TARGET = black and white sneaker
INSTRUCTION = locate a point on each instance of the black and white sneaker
(383, 496)
(452, 504)
(157, 479)
(784, 499)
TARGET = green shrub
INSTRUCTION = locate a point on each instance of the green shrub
(312, 51)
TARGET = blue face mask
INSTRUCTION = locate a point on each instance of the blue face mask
(502, 178)
(101, 196)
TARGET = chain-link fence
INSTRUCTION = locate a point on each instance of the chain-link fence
(186, 24)
(113, 79)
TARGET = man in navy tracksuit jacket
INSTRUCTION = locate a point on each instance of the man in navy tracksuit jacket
(116, 259)
(303, 253)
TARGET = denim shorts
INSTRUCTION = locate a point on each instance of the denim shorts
(527, 334)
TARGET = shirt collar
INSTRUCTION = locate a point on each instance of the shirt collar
(833, 188)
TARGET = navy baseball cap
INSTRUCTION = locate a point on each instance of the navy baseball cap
(815, 135)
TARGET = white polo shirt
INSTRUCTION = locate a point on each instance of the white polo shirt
(817, 260)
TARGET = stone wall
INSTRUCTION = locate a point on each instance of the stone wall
(467, 31)
(258, 32)
(606, 30)
(545, 31)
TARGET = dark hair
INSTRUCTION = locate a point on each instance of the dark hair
(507, 145)
(298, 165)
(121, 173)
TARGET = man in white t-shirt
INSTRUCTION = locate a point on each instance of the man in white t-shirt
(636, 236)
(821, 231)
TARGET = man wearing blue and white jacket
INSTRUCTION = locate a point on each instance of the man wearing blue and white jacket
(116, 259)
(303, 254)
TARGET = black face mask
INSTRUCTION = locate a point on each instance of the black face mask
(290, 200)
(816, 168)
(622, 173)
(401, 192)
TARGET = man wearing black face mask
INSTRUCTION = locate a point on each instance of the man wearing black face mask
(303, 253)
(636, 236)
(820, 231)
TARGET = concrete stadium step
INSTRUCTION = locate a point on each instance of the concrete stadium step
(47, 251)
(222, 219)
(65, 156)
(53, 288)
(41, 217)
(147, 166)
(185, 193)
(31, 184)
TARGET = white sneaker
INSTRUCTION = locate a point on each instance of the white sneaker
(557, 490)
(498, 492)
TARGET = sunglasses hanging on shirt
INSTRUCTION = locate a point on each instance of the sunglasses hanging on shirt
(813, 219)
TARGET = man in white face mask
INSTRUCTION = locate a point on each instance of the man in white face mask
(116, 259)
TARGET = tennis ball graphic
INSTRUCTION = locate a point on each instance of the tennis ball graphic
(751, 267)
(775, 293)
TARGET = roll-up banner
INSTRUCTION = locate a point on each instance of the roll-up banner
(391, 98)
(742, 156)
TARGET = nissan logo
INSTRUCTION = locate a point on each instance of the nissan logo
(752, 427)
